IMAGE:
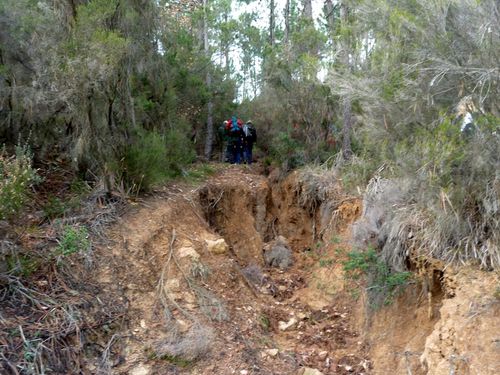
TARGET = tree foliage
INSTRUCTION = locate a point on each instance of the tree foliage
(127, 91)
(86, 77)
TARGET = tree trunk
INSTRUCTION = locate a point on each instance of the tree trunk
(208, 81)
(346, 100)
(330, 16)
(130, 107)
(287, 21)
(347, 128)
(272, 22)
(226, 52)
(308, 13)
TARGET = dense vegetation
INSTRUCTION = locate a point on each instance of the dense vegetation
(128, 93)
(116, 97)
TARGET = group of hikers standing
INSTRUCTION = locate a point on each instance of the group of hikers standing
(239, 139)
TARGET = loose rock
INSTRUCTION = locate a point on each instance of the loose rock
(188, 252)
(277, 253)
(285, 325)
(271, 352)
(141, 370)
(309, 371)
(322, 355)
(218, 246)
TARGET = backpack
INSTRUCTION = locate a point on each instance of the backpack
(249, 132)
(234, 125)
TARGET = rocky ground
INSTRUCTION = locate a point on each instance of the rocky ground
(244, 275)
(190, 265)
(240, 274)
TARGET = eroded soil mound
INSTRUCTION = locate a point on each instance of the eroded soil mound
(204, 290)
(200, 297)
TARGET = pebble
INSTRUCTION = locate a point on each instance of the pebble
(309, 371)
(322, 355)
(271, 352)
(301, 316)
(283, 326)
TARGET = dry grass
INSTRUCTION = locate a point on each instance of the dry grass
(209, 304)
(97, 212)
(190, 346)
(317, 184)
(397, 220)
(48, 308)
(196, 342)
(44, 330)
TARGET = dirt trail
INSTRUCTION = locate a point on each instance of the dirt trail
(188, 266)
(231, 313)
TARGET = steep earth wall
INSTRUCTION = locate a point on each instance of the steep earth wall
(200, 298)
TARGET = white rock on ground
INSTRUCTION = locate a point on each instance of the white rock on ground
(271, 352)
(190, 252)
(322, 355)
(286, 325)
(218, 246)
(309, 371)
(141, 370)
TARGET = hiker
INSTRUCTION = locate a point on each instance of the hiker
(234, 130)
(464, 113)
(249, 138)
(223, 138)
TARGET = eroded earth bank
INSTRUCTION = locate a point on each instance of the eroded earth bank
(244, 275)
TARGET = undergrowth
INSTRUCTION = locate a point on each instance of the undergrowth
(383, 283)
(45, 298)
(16, 177)
(154, 158)
(444, 191)
(73, 240)
(287, 151)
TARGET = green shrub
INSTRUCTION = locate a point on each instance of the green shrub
(73, 240)
(180, 152)
(79, 187)
(449, 181)
(383, 283)
(154, 158)
(287, 151)
(54, 207)
(23, 265)
(456, 188)
(17, 175)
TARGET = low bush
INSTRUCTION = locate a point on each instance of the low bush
(73, 240)
(54, 207)
(16, 177)
(287, 151)
(22, 264)
(154, 158)
(441, 196)
(383, 283)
